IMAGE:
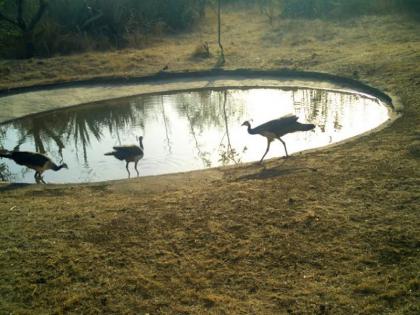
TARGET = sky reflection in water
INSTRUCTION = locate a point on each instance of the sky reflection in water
(182, 131)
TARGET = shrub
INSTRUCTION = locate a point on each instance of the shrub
(344, 8)
(70, 21)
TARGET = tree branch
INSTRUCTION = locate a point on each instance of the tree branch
(5, 18)
(91, 20)
(41, 10)
(20, 21)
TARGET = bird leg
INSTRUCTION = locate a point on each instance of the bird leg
(268, 148)
(36, 178)
(135, 166)
(284, 144)
(41, 179)
(126, 166)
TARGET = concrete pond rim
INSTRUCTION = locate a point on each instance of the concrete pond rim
(340, 84)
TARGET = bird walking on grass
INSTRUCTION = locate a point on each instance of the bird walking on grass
(36, 161)
(129, 153)
(276, 128)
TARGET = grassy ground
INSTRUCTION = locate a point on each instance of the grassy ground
(330, 232)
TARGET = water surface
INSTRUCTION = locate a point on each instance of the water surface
(183, 131)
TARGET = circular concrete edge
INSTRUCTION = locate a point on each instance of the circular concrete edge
(17, 103)
(285, 78)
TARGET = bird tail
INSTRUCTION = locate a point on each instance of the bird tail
(110, 153)
(5, 154)
(306, 127)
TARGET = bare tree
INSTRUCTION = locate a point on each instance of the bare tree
(26, 29)
(221, 60)
(270, 8)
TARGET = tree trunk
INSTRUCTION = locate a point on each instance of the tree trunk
(27, 30)
(28, 42)
(221, 61)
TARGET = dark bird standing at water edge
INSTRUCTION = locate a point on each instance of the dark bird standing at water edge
(36, 161)
(129, 153)
(276, 128)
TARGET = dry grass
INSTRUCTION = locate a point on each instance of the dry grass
(330, 232)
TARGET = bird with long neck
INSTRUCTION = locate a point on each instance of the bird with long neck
(33, 160)
(276, 128)
(129, 153)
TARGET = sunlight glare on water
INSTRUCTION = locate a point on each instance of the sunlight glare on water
(183, 131)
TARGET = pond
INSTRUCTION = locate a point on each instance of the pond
(183, 131)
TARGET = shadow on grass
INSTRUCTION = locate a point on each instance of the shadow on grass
(13, 186)
(262, 171)
(266, 173)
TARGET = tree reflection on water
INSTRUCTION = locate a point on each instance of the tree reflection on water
(5, 174)
(205, 123)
